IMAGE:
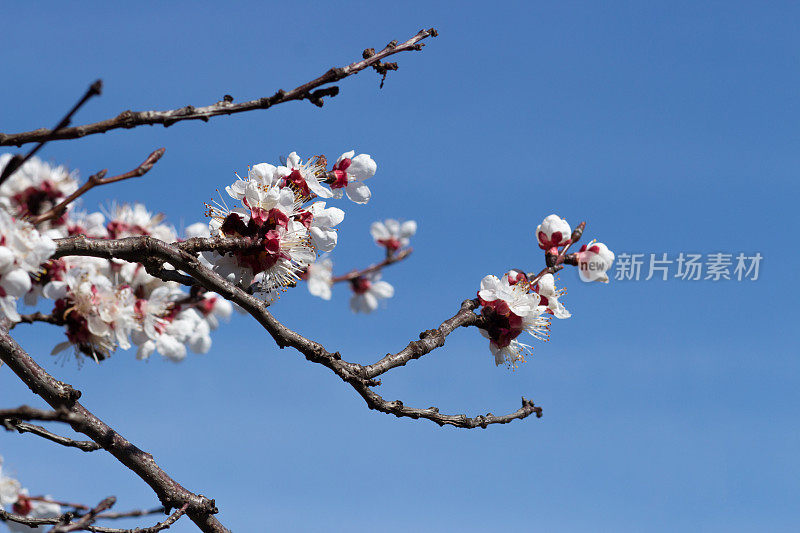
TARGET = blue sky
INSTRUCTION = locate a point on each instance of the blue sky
(668, 405)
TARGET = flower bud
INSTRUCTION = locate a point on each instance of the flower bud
(594, 260)
(553, 231)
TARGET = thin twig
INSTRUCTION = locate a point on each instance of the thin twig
(390, 260)
(96, 180)
(36, 317)
(5, 516)
(131, 514)
(160, 526)
(310, 91)
(17, 161)
(86, 520)
(428, 340)
(25, 412)
(25, 427)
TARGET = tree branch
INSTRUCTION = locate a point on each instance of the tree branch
(24, 427)
(390, 260)
(5, 516)
(17, 161)
(86, 520)
(429, 340)
(36, 317)
(160, 526)
(66, 518)
(25, 412)
(135, 249)
(95, 180)
(310, 91)
(396, 408)
(62, 396)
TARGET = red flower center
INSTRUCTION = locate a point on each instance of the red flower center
(360, 285)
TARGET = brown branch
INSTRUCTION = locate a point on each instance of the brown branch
(310, 91)
(24, 427)
(131, 514)
(428, 340)
(25, 412)
(62, 396)
(17, 161)
(160, 526)
(36, 317)
(5, 516)
(398, 409)
(86, 520)
(134, 249)
(105, 516)
(66, 518)
(96, 180)
(390, 260)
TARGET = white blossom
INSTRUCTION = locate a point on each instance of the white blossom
(319, 276)
(594, 260)
(391, 234)
(303, 177)
(36, 187)
(90, 224)
(511, 309)
(22, 251)
(98, 316)
(350, 174)
(323, 236)
(9, 488)
(553, 231)
(546, 288)
(128, 220)
(368, 290)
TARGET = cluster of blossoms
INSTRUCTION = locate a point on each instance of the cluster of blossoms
(277, 212)
(524, 302)
(22, 250)
(13, 496)
(367, 287)
(102, 304)
(108, 304)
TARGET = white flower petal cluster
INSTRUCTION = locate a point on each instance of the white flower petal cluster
(275, 214)
(549, 296)
(303, 177)
(392, 234)
(351, 171)
(368, 290)
(552, 232)
(323, 236)
(319, 276)
(108, 304)
(92, 225)
(594, 260)
(98, 315)
(22, 251)
(131, 220)
(35, 187)
(9, 488)
(510, 308)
